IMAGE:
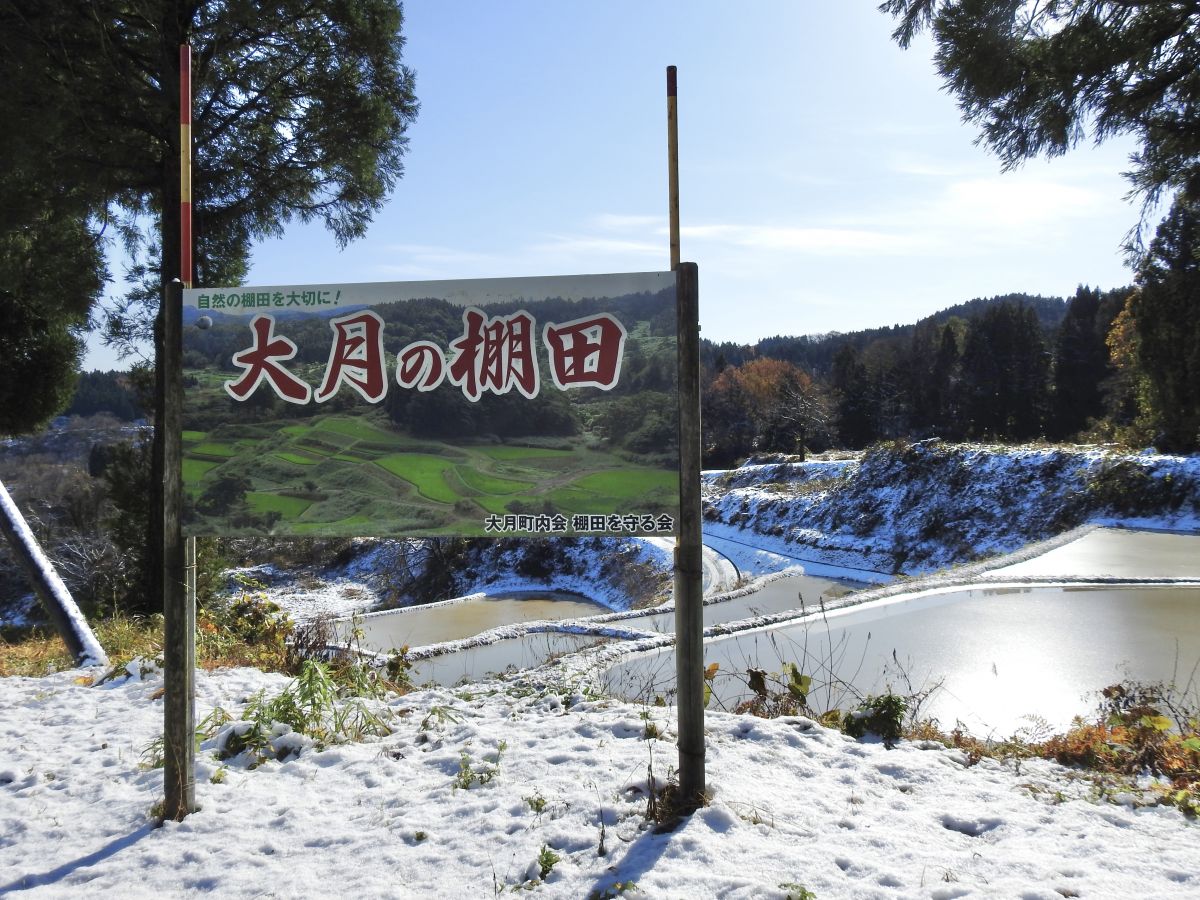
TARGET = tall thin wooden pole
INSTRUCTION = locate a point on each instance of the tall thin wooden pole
(689, 548)
(186, 267)
(179, 598)
(673, 164)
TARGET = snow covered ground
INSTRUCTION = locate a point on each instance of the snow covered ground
(793, 805)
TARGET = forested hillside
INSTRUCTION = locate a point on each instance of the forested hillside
(1011, 368)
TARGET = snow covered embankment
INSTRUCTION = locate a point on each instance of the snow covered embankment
(911, 509)
(620, 573)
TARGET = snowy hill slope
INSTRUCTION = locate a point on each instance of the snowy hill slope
(910, 509)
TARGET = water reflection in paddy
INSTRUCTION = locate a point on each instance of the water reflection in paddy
(476, 663)
(1004, 653)
(792, 592)
(423, 626)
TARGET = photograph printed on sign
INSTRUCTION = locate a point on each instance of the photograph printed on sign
(509, 406)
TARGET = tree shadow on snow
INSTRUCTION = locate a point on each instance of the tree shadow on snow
(24, 882)
(640, 857)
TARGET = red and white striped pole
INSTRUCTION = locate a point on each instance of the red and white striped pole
(185, 165)
(179, 593)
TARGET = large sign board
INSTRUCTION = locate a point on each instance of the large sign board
(483, 407)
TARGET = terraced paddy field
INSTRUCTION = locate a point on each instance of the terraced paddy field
(345, 475)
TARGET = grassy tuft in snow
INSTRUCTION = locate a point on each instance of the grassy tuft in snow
(483, 772)
(34, 652)
(322, 706)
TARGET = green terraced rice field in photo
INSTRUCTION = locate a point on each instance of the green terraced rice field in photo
(195, 469)
(489, 484)
(426, 472)
(290, 507)
(213, 448)
(508, 452)
(346, 475)
(300, 459)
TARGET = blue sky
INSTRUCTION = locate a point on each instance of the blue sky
(827, 182)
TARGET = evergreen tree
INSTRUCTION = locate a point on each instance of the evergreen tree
(1166, 316)
(889, 388)
(301, 109)
(1005, 374)
(38, 358)
(920, 357)
(853, 414)
(104, 392)
(945, 378)
(1035, 77)
(51, 271)
(1080, 366)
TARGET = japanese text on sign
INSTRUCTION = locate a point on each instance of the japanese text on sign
(493, 354)
(560, 524)
(268, 299)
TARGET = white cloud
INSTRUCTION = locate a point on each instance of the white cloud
(1017, 203)
(423, 262)
(605, 243)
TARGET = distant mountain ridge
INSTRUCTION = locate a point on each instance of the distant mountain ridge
(815, 352)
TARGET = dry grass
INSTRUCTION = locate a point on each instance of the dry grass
(1139, 729)
(250, 632)
(41, 651)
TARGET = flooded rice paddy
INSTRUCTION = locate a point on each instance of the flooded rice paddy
(1003, 657)
(1001, 654)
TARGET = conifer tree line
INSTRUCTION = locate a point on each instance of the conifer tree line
(1012, 369)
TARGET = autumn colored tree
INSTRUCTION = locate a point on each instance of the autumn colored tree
(727, 430)
(1125, 389)
(763, 405)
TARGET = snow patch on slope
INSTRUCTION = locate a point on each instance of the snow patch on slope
(922, 507)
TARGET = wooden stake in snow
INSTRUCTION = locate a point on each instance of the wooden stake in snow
(56, 599)
(689, 549)
(178, 556)
(689, 552)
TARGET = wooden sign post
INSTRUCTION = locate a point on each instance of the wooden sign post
(179, 561)
(689, 585)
